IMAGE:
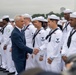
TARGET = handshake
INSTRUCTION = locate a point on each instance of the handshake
(35, 51)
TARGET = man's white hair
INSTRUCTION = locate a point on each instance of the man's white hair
(17, 18)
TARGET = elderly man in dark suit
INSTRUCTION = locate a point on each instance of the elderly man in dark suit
(19, 48)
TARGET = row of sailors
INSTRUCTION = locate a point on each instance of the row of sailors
(55, 45)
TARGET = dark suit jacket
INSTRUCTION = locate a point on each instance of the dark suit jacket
(19, 48)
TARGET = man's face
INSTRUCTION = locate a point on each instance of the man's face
(44, 24)
(66, 16)
(26, 20)
(73, 22)
(1, 24)
(4, 22)
(36, 23)
(50, 23)
(20, 23)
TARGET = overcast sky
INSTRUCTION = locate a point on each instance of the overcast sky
(13, 7)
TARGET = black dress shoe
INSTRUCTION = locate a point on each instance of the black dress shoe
(5, 71)
(11, 73)
(2, 69)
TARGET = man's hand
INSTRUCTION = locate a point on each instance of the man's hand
(64, 58)
(5, 47)
(27, 56)
(49, 60)
(35, 51)
(10, 50)
(41, 58)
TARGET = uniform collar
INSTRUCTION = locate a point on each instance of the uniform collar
(67, 22)
(18, 28)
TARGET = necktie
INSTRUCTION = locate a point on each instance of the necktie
(69, 38)
(65, 26)
(2, 30)
(35, 36)
(50, 33)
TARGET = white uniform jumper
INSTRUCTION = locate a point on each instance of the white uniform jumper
(38, 40)
(29, 32)
(6, 41)
(52, 45)
(69, 46)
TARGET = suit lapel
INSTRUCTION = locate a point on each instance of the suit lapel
(20, 34)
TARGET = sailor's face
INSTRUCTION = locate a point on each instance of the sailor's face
(50, 23)
(1, 24)
(4, 22)
(66, 15)
(36, 23)
(26, 20)
(73, 22)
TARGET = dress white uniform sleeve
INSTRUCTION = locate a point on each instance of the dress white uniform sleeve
(44, 46)
(7, 34)
(64, 47)
(43, 41)
(32, 29)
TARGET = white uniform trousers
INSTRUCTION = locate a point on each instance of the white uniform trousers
(29, 62)
(3, 55)
(55, 66)
(10, 63)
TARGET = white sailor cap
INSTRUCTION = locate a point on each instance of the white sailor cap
(59, 22)
(0, 20)
(45, 20)
(40, 18)
(11, 19)
(27, 16)
(34, 19)
(67, 11)
(5, 16)
(63, 19)
(54, 17)
(73, 15)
